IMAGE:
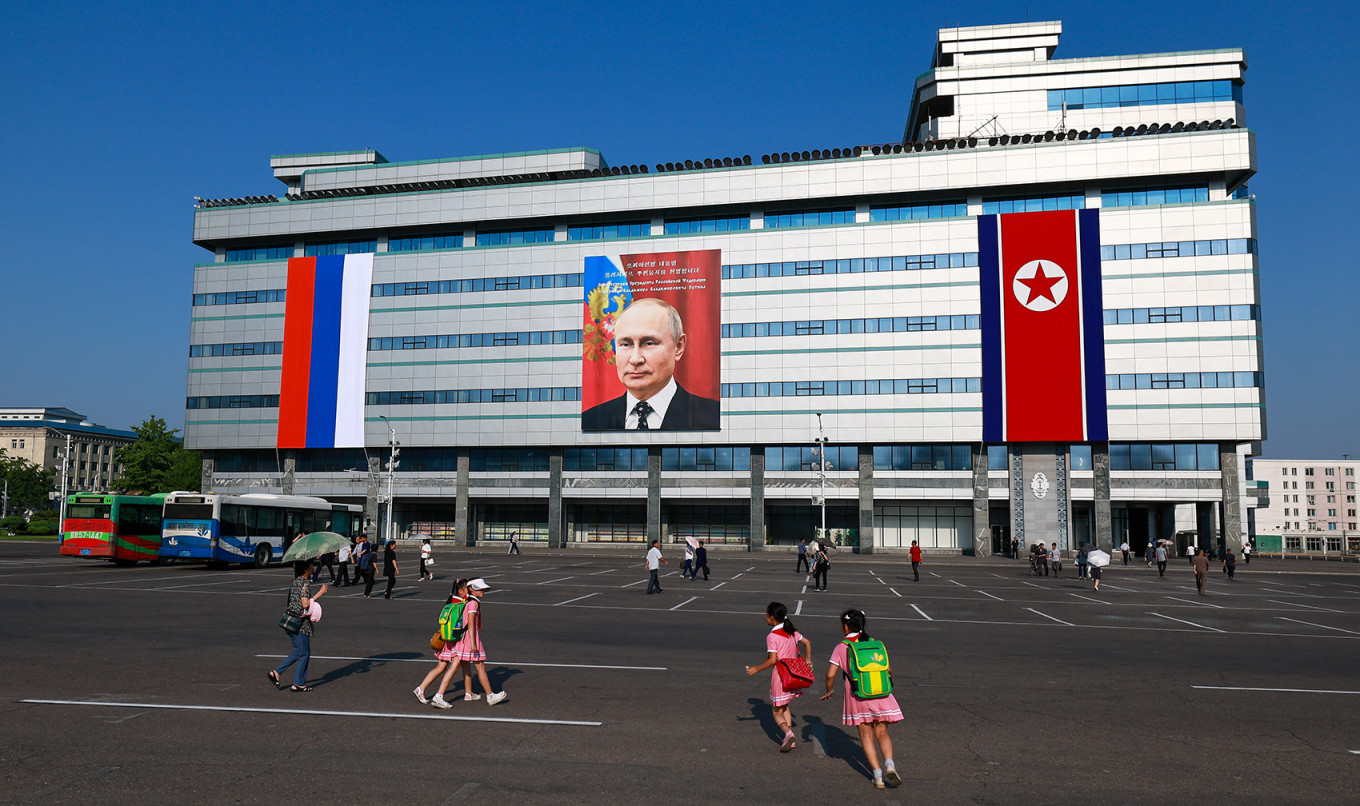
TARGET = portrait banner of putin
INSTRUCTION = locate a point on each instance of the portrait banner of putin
(651, 343)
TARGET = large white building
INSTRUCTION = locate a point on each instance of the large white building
(854, 285)
(1311, 507)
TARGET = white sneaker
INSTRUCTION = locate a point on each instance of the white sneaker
(469, 697)
(420, 695)
(440, 702)
(492, 699)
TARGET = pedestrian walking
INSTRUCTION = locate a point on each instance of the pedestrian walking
(300, 601)
(1124, 549)
(514, 544)
(343, 558)
(1229, 564)
(1055, 560)
(1200, 565)
(863, 705)
(820, 564)
(470, 650)
(1081, 561)
(426, 559)
(802, 557)
(1160, 554)
(364, 565)
(451, 619)
(1015, 548)
(654, 561)
(781, 643)
(1246, 553)
(915, 562)
(700, 560)
(1150, 553)
(1041, 557)
(1096, 571)
(687, 569)
(390, 569)
(326, 562)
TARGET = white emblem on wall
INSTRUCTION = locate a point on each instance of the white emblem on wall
(1040, 285)
(1039, 484)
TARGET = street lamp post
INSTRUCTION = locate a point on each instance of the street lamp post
(65, 469)
(392, 463)
(822, 466)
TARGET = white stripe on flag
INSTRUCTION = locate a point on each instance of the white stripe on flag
(356, 291)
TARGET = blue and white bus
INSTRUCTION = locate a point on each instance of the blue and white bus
(254, 528)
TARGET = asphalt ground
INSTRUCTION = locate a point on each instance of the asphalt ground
(148, 685)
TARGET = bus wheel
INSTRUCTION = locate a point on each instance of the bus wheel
(261, 556)
(163, 561)
(123, 563)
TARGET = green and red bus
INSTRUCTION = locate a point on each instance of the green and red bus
(121, 528)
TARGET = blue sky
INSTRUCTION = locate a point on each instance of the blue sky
(117, 115)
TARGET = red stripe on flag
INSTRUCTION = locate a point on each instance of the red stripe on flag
(1042, 349)
(297, 352)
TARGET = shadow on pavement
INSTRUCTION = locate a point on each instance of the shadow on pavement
(840, 745)
(363, 667)
(763, 712)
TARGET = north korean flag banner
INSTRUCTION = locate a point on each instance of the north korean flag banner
(1043, 343)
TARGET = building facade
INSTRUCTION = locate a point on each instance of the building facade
(39, 435)
(853, 286)
(1311, 506)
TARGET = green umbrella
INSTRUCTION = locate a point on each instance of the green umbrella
(314, 545)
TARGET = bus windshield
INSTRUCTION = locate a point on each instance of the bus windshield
(195, 512)
(88, 511)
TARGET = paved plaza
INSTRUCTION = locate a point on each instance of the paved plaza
(148, 684)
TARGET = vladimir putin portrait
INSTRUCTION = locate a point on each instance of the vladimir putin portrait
(649, 340)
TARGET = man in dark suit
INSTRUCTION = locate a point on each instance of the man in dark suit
(649, 339)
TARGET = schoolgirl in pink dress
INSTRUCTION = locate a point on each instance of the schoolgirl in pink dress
(781, 643)
(447, 657)
(470, 650)
(872, 716)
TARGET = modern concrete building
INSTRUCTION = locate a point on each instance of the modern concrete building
(854, 286)
(1311, 507)
(39, 435)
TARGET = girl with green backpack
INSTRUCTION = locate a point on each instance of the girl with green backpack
(448, 656)
(868, 704)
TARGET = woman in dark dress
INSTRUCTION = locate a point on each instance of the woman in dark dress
(390, 567)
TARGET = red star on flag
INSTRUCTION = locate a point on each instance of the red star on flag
(1041, 285)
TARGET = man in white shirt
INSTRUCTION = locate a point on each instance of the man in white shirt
(654, 560)
(1124, 547)
(343, 558)
(1161, 560)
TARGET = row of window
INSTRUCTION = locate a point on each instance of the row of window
(232, 402)
(260, 253)
(437, 396)
(1138, 251)
(1180, 92)
(478, 285)
(426, 243)
(913, 212)
(818, 327)
(806, 268)
(925, 457)
(456, 340)
(906, 386)
(239, 348)
(810, 218)
(1033, 204)
(610, 232)
(692, 226)
(1163, 456)
(514, 236)
(1136, 198)
(1186, 380)
(332, 248)
(1187, 313)
(807, 457)
(240, 297)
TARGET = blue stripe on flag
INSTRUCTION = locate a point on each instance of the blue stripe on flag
(1093, 318)
(989, 285)
(325, 352)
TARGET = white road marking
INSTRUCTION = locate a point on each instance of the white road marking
(894, 590)
(1283, 690)
(551, 581)
(1033, 585)
(798, 611)
(682, 604)
(462, 794)
(985, 593)
(631, 584)
(960, 584)
(496, 663)
(306, 712)
(1050, 618)
(605, 571)
(922, 612)
(880, 580)
(1311, 624)
(1117, 588)
(719, 585)
(734, 576)
(1183, 621)
(1300, 604)
(804, 590)
(1088, 598)
(197, 585)
(998, 576)
(932, 573)
(1187, 601)
(871, 573)
(577, 599)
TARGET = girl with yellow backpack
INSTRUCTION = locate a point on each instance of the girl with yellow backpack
(868, 704)
(447, 656)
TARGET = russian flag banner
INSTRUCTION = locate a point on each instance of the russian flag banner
(325, 352)
(1043, 340)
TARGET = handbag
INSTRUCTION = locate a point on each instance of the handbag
(794, 673)
(291, 622)
(437, 642)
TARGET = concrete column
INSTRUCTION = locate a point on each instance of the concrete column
(757, 514)
(653, 494)
(555, 537)
(1231, 475)
(866, 499)
(462, 521)
(1102, 517)
(1206, 525)
(289, 472)
(205, 479)
(372, 509)
(982, 528)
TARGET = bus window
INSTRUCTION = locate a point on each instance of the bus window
(235, 521)
(268, 521)
(341, 523)
(87, 511)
